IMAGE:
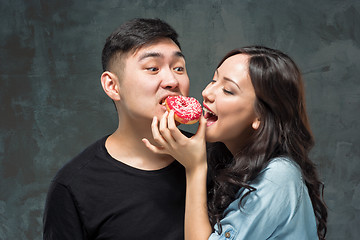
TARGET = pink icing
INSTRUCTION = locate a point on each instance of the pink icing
(187, 108)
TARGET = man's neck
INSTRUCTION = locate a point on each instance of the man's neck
(125, 145)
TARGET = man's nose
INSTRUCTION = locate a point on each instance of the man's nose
(169, 80)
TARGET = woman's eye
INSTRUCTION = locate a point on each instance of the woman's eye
(227, 91)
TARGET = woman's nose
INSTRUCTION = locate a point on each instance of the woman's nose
(208, 94)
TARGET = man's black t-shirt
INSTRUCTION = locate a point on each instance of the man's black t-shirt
(95, 196)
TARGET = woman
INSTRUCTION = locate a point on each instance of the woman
(262, 183)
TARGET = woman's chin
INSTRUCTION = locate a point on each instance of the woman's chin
(211, 135)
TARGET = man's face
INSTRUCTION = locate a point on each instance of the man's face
(152, 73)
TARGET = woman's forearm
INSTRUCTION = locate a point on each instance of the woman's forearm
(197, 225)
(191, 153)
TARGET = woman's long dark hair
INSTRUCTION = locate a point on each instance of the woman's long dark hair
(284, 131)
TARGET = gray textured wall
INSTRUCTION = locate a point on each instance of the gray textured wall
(52, 104)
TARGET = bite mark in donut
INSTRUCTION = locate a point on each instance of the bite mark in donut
(187, 110)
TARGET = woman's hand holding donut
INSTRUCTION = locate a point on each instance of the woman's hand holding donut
(190, 152)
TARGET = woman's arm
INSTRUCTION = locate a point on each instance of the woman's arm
(197, 225)
(191, 153)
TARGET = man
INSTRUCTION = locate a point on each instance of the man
(117, 188)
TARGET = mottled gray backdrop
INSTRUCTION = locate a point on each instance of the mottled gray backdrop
(52, 104)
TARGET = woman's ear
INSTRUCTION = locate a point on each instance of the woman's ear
(110, 84)
(255, 125)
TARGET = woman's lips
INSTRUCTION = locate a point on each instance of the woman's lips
(209, 115)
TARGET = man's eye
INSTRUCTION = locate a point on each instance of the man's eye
(152, 69)
(179, 69)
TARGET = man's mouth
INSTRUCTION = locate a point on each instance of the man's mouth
(162, 101)
(210, 116)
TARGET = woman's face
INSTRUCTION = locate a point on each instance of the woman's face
(229, 104)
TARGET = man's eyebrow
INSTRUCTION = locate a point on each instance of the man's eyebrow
(179, 54)
(150, 54)
(159, 55)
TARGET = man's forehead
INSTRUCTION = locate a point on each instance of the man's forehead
(157, 49)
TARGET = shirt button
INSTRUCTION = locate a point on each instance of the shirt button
(227, 235)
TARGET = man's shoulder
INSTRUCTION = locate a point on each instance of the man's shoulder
(75, 166)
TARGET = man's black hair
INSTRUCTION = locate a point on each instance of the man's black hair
(134, 34)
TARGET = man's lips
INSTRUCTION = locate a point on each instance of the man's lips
(162, 101)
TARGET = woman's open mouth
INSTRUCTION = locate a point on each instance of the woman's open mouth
(210, 116)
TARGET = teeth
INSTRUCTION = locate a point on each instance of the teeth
(208, 111)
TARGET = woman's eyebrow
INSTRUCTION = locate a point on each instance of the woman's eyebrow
(227, 79)
(230, 80)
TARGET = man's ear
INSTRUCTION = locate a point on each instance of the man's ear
(255, 125)
(110, 84)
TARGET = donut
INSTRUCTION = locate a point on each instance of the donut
(187, 110)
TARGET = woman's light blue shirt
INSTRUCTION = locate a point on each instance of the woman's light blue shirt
(280, 208)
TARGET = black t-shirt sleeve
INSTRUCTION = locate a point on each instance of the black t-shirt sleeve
(61, 218)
